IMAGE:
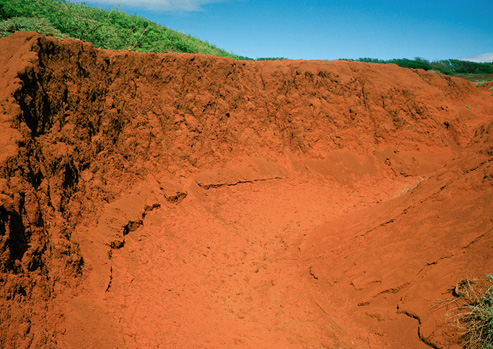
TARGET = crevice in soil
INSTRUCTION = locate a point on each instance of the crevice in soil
(420, 336)
(110, 281)
(219, 185)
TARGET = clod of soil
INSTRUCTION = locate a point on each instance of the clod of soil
(187, 201)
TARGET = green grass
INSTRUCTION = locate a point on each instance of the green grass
(473, 315)
(40, 25)
(113, 29)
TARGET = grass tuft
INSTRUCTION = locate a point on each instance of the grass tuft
(473, 314)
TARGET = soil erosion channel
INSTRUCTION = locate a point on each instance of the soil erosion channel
(189, 201)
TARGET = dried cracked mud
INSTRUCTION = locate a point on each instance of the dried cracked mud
(189, 201)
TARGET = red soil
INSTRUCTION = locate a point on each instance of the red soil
(188, 201)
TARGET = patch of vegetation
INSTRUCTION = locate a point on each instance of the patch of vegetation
(113, 29)
(473, 314)
(40, 25)
(271, 59)
(482, 82)
(471, 70)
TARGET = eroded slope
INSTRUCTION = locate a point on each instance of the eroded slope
(174, 199)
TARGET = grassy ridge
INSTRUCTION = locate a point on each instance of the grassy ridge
(113, 29)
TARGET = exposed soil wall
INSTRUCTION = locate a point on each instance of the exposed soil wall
(96, 144)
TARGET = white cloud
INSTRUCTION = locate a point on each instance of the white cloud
(160, 5)
(484, 58)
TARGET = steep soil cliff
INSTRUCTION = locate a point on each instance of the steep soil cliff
(174, 200)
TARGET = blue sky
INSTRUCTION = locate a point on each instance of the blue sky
(326, 29)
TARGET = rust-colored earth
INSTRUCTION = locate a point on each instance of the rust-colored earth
(188, 201)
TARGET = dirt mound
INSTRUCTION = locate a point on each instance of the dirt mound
(190, 201)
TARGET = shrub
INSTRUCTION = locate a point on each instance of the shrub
(40, 25)
(474, 312)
